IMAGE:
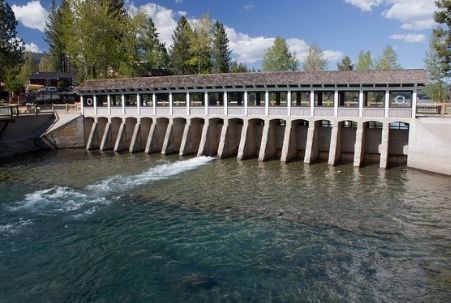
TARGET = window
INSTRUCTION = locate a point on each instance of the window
(196, 99)
(278, 99)
(399, 125)
(102, 100)
(348, 99)
(301, 99)
(350, 124)
(235, 99)
(116, 100)
(325, 123)
(162, 99)
(324, 99)
(179, 100)
(130, 100)
(374, 99)
(399, 99)
(256, 98)
(374, 124)
(146, 100)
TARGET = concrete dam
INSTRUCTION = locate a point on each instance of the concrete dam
(306, 116)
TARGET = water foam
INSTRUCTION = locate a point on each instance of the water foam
(66, 199)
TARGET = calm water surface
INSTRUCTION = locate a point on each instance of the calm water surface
(107, 227)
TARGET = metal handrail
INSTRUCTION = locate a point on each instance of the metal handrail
(434, 109)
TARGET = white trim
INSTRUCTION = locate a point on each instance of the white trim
(387, 102)
(360, 103)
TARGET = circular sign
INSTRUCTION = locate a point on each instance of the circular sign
(89, 101)
(400, 99)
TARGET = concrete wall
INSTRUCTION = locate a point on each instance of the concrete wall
(430, 145)
(69, 135)
(24, 134)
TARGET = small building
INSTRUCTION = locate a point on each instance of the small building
(51, 79)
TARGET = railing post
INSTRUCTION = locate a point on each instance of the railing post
(154, 103)
(246, 102)
(206, 102)
(266, 102)
(360, 103)
(108, 101)
(138, 103)
(187, 103)
(312, 103)
(289, 102)
(123, 103)
(414, 103)
(82, 105)
(170, 103)
(225, 98)
(387, 102)
(336, 103)
(94, 100)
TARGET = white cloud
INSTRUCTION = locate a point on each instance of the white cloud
(31, 47)
(409, 38)
(413, 15)
(179, 1)
(31, 15)
(333, 56)
(365, 5)
(248, 7)
(247, 49)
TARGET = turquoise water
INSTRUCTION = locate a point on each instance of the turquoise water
(108, 227)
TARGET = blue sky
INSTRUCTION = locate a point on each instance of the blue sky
(339, 27)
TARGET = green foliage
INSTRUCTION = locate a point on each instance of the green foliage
(221, 59)
(442, 34)
(236, 67)
(151, 54)
(436, 88)
(46, 64)
(278, 58)
(179, 53)
(11, 48)
(54, 33)
(315, 60)
(364, 61)
(201, 41)
(387, 60)
(345, 64)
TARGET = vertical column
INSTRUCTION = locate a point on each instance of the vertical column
(383, 148)
(359, 147)
(335, 142)
(361, 103)
(246, 102)
(286, 142)
(206, 102)
(289, 102)
(82, 107)
(188, 101)
(312, 103)
(108, 100)
(311, 148)
(266, 103)
(387, 102)
(154, 103)
(225, 103)
(170, 103)
(336, 103)
(138, 103)
(123, 103)
(94, 101)
(414, 102)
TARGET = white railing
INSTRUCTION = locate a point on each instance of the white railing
(324, 111)
(373, 113)
(162, 111)
(116, 111)
(278, 111)
(179, 110)
(256, 111)
(400, 113)
(216, 110)
(102, 111)
(197, 111)
(131, 111)
(348, 112)
(300, 111)
(146, 111)
(235, 111)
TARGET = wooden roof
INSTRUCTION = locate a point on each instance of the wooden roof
(284, 79)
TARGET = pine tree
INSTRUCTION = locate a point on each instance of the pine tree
(221, 59)
(387, 60)
(315, 60)
(179, 54)
(279, 58)
(201, 46)
(236, 67)
(345, 64)
(436, 86)
(54, 33)
(442, 42)
(11, 47)
(364, 61)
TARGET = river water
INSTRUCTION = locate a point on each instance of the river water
(108, 227)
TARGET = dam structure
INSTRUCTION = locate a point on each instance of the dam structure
(333, 116)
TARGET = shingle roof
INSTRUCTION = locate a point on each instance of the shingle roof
(49, 75)
(406, 76)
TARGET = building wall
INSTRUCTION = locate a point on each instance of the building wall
(430, 145)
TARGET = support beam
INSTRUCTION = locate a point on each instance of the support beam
(203, 138)
(359, 147)
(135, 144)
(335, 144)
(120, 140)
(383, 147)
(167, 138)
(264, 144)
(150, 139)
(106, 138)
(288, 144)
(92, 144)
(222, 139)
(311, 149)
(243, 138)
